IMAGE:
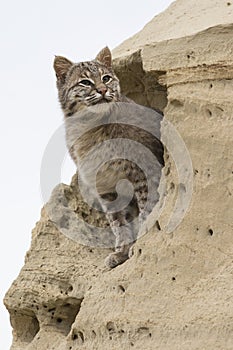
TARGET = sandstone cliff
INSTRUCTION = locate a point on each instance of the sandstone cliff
(176, 292)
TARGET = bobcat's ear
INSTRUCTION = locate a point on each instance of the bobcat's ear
(61, 66)
(105, 57)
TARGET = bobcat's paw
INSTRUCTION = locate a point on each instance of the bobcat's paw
(115, 259)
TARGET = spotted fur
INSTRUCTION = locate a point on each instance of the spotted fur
(81, 85)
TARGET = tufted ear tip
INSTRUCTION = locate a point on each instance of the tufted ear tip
(61, 66)
(105, 57)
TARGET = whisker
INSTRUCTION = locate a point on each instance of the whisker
(92, 97)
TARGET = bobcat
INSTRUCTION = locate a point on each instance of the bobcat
(94, 83)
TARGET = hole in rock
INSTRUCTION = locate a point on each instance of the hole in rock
(172, 186)
(81, 336)
(143, 331)
(74, 336)
(110, 327)
(157, 225)
(209, 112)
(64, 315)
(25, 325)
(176, 103)
(168, 171)
(173, 278)
(211, 232)
(121, 288)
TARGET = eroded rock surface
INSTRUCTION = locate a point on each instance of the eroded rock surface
(176, 291)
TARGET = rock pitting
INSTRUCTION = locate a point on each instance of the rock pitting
(176, 291)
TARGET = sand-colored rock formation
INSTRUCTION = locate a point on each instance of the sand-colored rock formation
(176, 292)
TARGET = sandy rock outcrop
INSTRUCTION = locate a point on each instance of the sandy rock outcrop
(176, 292)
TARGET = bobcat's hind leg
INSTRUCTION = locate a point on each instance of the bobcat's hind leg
(141, 195)
(145, 201)
(125, 237)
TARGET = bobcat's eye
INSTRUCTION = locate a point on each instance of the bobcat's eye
(106, 78)
(85, 82)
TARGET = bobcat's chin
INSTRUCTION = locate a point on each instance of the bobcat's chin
(102, 99)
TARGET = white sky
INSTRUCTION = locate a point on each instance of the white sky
(31, 33)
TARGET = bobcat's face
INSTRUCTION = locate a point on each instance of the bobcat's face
(86, 83)
(90, 82)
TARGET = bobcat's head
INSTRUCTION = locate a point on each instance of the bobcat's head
(86, 83)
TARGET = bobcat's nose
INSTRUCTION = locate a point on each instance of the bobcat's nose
(101, 89)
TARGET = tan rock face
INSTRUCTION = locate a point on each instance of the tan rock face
(176, 291)
(180, 20)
